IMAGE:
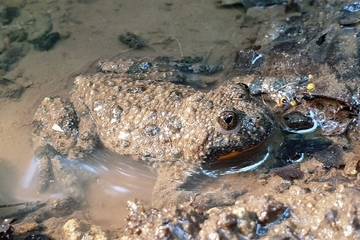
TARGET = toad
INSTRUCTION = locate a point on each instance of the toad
(143, 114)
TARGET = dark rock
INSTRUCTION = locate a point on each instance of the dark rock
(198, 68)
(282, 64)
(5, 82)
(271, 211)
(17, 36)
(289, 172)
(356, 223)
(261, 3)
(298, 121)
(133, 40)
(8, 15)
(295, 34)
(6, 229)
(293, 148)
(331, 218)
(12, 55)
(11, 89)
(321, 40)
(343, 53)
(292, 6)
(247, 62)
(46, 42)
(190, 59)
(164, 59)
(139, 67)
(37, 237)
(252, 3)
(331, 156)
(349, 20)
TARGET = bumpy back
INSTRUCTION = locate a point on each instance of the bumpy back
(163, 121)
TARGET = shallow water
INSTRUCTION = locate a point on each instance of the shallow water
(93, 29)
(169, 28)
(117, 180)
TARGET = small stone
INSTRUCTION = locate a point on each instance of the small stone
(37, 237)
(331, 218)
(75, 229)
(132, 40)
(46, 42)
(289, 172)
(298, 121)
(27, 227)
(352, 167)
(331, 157)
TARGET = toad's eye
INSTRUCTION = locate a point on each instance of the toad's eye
(285, 102)
(227, 120)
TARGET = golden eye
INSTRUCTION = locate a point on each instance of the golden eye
(228, 120)
(282, 101)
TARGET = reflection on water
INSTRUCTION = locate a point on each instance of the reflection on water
(119, 175)
(118, 179)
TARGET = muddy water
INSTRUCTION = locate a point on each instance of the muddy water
(117, 178)
(169, 28)
(90, 31)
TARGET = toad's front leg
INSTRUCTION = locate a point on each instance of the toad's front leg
(60, 133)
(179, 182)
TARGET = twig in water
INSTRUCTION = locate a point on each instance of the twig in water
(180, 48)
(16, 204)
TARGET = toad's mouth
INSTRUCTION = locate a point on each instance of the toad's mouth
(237, 162)
(240, 161)
(229, 156)
(238, 155)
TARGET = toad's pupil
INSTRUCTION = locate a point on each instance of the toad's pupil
(227, 120)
